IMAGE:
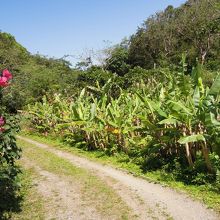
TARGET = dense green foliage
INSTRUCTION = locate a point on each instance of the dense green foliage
(173, 126)
(34, 75)
(9, 151)
(192, 28)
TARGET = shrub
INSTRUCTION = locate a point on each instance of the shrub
(9, 151)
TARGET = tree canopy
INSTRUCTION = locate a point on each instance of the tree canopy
(193, 28)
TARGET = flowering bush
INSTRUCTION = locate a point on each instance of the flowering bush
(9, 151)
(2, 122)
(6, 76)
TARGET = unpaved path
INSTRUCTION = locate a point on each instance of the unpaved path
(148, 200)
(61, 195)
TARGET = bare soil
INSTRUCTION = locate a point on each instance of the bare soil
(62, 197)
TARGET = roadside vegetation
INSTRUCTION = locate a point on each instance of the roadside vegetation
(9, 153)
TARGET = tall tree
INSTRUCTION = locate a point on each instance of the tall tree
(193, 28)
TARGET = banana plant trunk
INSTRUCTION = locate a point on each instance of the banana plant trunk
(205, 152)
(188, 153)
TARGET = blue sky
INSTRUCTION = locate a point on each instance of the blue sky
(59, 27)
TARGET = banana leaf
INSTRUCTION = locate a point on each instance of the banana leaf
(196, 96)
(168, 121)
(215, 88)
(92, 111)
(210, 120)
(179, 107)
(191, 138)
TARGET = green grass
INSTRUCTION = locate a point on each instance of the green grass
(202, 193)
(93, 190)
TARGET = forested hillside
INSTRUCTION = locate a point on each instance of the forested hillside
(192, 29)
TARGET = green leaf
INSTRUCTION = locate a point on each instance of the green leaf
(215, 88)
(178, 106)
(76, 114)
(162, 94)
(146, 102)
(82, 93)
(196, 96)
(168, 121)
(211, 120)
(93, 111)
(111, 114)
(191, 138)
(94, 89)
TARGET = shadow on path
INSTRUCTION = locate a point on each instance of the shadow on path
(10, 196)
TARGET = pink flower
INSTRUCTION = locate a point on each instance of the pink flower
(3, 81)
(7, 74)
(2, 121)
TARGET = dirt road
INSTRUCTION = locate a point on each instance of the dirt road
(145, 200)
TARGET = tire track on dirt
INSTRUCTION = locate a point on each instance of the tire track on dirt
(62, 196)
(157, 201)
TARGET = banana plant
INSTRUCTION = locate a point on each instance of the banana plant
(178, 118)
